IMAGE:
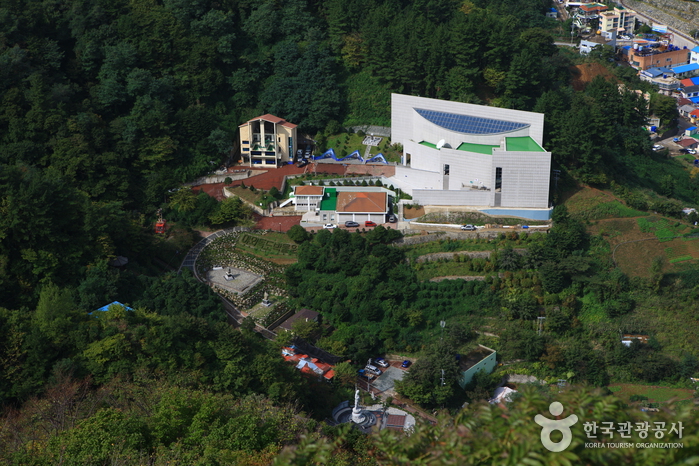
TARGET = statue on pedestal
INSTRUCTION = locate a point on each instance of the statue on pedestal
(357, 416)
(265, 300)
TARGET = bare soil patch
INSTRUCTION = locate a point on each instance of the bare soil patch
(413, 212)
(585, 73)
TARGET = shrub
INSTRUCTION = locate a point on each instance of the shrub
(242, 185)
(228, 180)
(252, 188)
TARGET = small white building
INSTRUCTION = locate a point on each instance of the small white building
(307, 198)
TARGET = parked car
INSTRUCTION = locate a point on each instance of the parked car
(658, 147)
(392, 218)
(468, 227)
(684, 151)
(308, 153)
(302, 163)
(329, 226)
(351, 224)
(299, 153)
(381, 362)
(373, 369)
(369, 223)
(405, 364)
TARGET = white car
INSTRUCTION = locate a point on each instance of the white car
(658, 147)
(329, 226)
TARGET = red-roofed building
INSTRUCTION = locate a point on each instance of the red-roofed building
(689, 143)
(310, 366)
(686, 83)
(267, 141)
(694, 116)
(591, 10)
(362, 206)
(308, 197)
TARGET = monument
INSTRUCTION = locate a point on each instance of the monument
(229, 276)
(357, 416)
(265, 300)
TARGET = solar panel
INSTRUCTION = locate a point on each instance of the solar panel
(469, 124)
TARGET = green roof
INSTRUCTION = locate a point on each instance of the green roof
(522, 144)
(428, 144)
(479, 148)
(329, 201)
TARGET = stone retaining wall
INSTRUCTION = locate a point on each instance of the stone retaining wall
(676, 14)
(450, 255)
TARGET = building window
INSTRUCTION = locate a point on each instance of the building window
(498, 178)
(446, 169)
(246, 149)
(246, 142)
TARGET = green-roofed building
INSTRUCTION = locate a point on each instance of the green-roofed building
(471, 155)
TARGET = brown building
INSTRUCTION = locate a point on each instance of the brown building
(644, 58)
(267, 141)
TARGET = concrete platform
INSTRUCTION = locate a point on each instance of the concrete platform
(242, 282)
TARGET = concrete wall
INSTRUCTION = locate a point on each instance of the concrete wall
(409, 179)
(468, 169)
(525, 178)
(407, 124)
(465, 197)
(487, 364)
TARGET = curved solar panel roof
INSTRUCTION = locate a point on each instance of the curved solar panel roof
(469, 124)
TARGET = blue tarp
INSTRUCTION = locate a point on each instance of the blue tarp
(115, 303)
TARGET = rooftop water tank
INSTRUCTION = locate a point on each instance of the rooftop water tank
(635, 46)
(653, 129)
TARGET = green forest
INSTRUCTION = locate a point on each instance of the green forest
(107, 108)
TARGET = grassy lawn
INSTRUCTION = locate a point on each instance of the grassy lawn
(257, 197)
(663, 228)
(655, 394)
(344, 144)
(259, 312)
(635, 257)
(593, 204)
(274, 247)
